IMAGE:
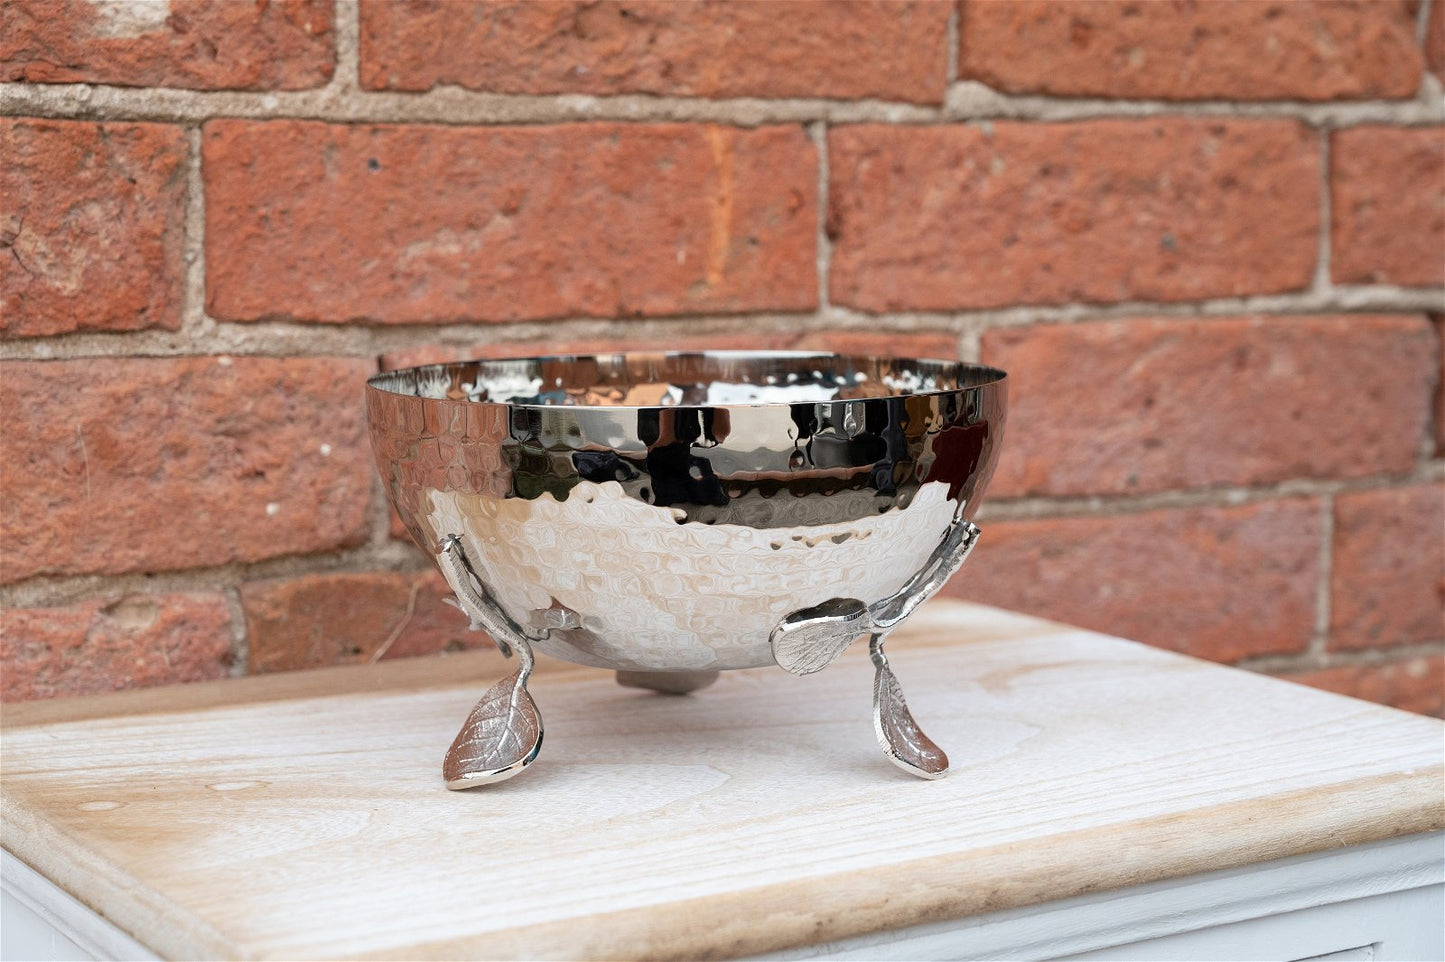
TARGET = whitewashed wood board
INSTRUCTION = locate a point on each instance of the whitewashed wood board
(304, 816)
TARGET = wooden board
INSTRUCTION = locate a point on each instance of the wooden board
(304, 815)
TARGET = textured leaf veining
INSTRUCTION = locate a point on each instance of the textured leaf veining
(899, 734)
(812, 639)
(501, 736)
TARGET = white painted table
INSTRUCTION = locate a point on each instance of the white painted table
(1107, 800)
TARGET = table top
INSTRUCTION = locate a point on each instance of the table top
(304, 814)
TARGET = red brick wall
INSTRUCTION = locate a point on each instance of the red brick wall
(1207, 240)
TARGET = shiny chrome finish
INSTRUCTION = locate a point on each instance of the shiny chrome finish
(899, 735)
(670, 513)
(812, 639)
(503, 733)
(809, 640)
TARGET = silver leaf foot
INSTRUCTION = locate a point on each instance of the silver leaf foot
(811, 639)
(899, 735)
(667, 682)
(502, 735)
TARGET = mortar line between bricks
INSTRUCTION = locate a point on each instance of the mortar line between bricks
(1224, 496)
(293, 339)
(1321, 284)
(1324, 600)
(346, 76)
(970, 346)
(240, 643)
(818, 132)
(193, 296)
(951, 53)
(1422, 26)
(1347, 658)
(446, 105)
(47, 591)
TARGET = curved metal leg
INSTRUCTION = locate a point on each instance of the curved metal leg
(899, 735)
(667, 682)
(503, 733)
(811, 639)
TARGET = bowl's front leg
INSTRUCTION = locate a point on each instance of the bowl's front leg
(503, 733)
(811, 639)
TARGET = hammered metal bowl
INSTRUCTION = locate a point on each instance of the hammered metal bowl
(657, 513)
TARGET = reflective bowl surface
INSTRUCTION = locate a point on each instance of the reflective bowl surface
(664, 512)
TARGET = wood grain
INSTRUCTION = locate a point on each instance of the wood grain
(308, 817)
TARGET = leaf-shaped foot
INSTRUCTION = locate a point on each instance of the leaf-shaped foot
(501, 737)
(811, 639)
(899, 735)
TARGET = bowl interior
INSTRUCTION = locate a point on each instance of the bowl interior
(712, 378)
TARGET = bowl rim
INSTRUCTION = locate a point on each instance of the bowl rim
(989, 378)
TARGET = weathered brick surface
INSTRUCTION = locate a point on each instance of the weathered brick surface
(317, 620)
(91, 226)
(195, 44)
(328, 222)
(125, 642)
(154, 464)
(1387, 584)
(1414, 684)
(1215, 50)
(1387, 201)
(937, 218)
(784, 48)
(1219, 583)
(1119, 407)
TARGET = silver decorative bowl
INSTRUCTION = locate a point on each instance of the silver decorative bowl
(673, 515)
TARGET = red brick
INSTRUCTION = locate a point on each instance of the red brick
(1414, 684)
(1215, 50)
(784, 48)
(1387, 584)
(94, 225)
(1218, 583)
(194, 44)
(338, 619)
(147, 464)
(330, 223)
(1119, 407)
(936, 218)
(1387, 201)
(127, 642)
